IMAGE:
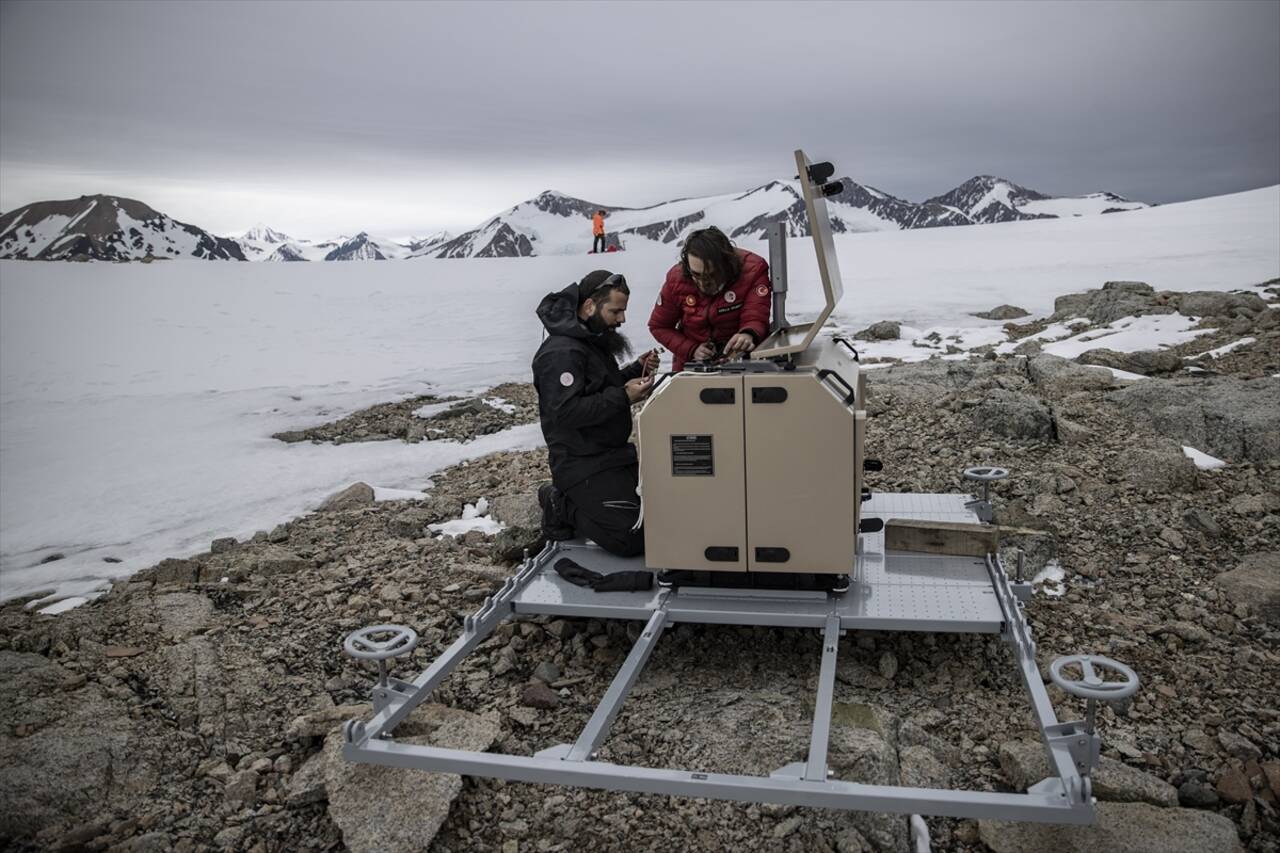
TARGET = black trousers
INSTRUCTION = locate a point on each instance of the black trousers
(597, 245)
(604, 507)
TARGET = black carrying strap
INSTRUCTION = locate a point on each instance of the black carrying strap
(613, 582)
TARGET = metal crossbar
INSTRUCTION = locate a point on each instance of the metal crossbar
(535, 588)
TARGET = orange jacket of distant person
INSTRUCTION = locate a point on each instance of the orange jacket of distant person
(597, 224)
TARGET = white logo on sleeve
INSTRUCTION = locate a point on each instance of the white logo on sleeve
(566, 379)
(659, 300)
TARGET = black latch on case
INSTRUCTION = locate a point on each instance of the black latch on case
(721, 553)
(717, 396)
(769, 394)
(772, 555)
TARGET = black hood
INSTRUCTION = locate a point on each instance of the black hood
(559, 314)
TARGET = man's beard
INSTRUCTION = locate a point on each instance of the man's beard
(616, 343)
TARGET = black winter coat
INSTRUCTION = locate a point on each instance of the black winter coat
(586, 417)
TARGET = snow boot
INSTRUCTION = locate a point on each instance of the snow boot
(555, 518)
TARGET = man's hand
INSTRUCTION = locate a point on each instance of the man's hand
(649, 362)
(739, 344)
(705, 351)
(638, 389)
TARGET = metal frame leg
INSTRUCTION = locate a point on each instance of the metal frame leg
(1061, 740)
(394, 706)
(816, 766)
(597, 728)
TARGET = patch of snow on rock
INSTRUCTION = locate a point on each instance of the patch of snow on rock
(1203, 460)
(1226, 348)
(474, 517)
(381, 493)
(430, 410)
(1051, 580)
(500, 404)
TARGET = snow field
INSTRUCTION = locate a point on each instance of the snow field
(137, 401)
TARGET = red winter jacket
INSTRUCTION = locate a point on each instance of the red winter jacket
(684, 317)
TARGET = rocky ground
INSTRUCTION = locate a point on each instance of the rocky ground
(195, 706)
(459, 419)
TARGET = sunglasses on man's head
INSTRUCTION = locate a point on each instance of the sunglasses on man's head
(612, 281)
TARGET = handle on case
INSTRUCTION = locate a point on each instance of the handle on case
(841, 339)
(827, 373)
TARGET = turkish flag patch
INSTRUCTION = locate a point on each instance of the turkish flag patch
(762, 291)
(689, 300)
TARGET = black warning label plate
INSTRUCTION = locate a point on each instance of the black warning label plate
(691, 456)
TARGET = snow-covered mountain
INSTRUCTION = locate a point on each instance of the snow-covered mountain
(419, 245)
(985, 198)
(291, 251)
(550, 224)
(261, 241)
(554, 223)
(264, 234)
(362, 247)
(105, 228)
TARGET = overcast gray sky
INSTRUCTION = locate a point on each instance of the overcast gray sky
(399, 118)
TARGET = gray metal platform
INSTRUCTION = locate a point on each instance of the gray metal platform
(890, 591)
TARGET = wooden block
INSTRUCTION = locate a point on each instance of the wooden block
(940, 537)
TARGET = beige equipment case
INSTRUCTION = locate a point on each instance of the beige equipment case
(757, 465)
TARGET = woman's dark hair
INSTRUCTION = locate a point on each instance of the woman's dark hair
(716, 251)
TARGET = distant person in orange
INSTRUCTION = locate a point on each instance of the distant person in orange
(597, 228)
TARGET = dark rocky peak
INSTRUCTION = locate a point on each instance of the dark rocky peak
(559, 204)
(772, 185)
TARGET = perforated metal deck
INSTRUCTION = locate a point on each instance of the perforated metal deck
(890, 591)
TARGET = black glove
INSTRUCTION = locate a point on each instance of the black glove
(614, 582)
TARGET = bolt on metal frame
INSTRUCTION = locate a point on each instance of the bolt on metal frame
(1072, 747)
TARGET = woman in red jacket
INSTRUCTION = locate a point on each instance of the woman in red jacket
(716, 301)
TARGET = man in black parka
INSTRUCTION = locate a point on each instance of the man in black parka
(584, 400)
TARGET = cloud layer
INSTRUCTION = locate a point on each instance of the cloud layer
(399, 117)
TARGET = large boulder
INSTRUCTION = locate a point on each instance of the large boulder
(272, 560)
(862, 750)
(1025, 763)
(1232, 419)
(1120, 828)
(523, 519)
(1013, 415)
(1159, 467)
(1145, 362)
(1115, 300)
(65, 754)
(180, 614)
(1057, 377)
(1002, 312)
(1213, 303)
(355, 496)
(885, 330)
(394, 809)
(1255, 583)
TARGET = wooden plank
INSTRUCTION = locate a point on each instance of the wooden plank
(940, 537)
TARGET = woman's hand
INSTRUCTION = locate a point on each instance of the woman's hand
(705, 351)
(739, 344)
